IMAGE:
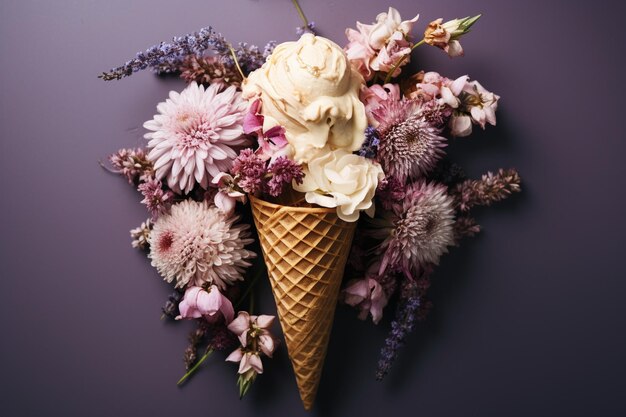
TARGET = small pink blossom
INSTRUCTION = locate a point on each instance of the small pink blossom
(368, 295)
(210, 304)
(272, 143)
(388, 24)
(227, 196)
(379, 46)
(255, 339)
(392, 53)
(435, 87)
(477, 105)
(372, 97)
(253, 120)
(358, 50)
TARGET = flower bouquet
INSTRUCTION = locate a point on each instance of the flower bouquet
(289, 154)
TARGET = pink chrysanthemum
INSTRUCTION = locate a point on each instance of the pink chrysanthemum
(410, 145)
(191, 139)
(418, 230)
(197, 244)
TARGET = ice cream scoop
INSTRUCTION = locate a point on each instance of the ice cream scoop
(310, 89)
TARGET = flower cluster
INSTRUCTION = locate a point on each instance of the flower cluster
(256, 339)
(320, 133)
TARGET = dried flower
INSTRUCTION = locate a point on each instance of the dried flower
(418, 230)
(249, 170)
(196, 244)
(209, 70)
(132, 164)
(465, 226)
(170, 309)
(156, 200)
(191, 140)
(208, 303)
(282, 172)
(487, 190)
(446, 36)
(409, 145)
(169, 57)
(403, 324)
(390, 191)
(141, 235)
(380, 45)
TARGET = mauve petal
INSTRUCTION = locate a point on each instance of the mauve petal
(227, 309)
(266, 343)
(243, 338)
(264, 321)
(240, 324)
(225, 203)
(255, 363)
(454, 49)
(235, 356)
(244, 365)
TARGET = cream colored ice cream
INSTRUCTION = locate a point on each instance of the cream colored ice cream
(310, 89)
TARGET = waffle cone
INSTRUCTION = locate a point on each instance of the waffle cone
(305, 250)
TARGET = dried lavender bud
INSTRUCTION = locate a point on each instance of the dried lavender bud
(400, 328)
(209, 70)
(170, 309)
(487, 190)
(190, 357)
(465, 226)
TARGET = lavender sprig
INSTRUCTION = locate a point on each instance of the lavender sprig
(400, 328)
(169, 57)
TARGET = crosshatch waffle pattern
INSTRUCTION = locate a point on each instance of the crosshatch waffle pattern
(305, 250)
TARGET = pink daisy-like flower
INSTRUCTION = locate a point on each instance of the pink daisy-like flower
(196, 244)
(193, 136)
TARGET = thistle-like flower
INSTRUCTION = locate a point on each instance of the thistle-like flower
(208, 70)
(410, 145)
(418, 230)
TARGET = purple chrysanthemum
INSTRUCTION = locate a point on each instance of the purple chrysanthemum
(155, 198)
(418, 230)
(249, 170)
(283, 171)
(410, 145)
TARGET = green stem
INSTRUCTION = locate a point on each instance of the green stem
(300, 12)
(232, 52)
(401, 60)
(195, 367)
(256, 277)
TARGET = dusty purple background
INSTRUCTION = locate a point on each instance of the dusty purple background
(529, 317)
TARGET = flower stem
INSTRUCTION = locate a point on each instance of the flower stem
(195, 367)
(401, 60)
(300, 12)
(232, 52)
(256, 277)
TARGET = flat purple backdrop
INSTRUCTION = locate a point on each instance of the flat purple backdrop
(529, 317)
